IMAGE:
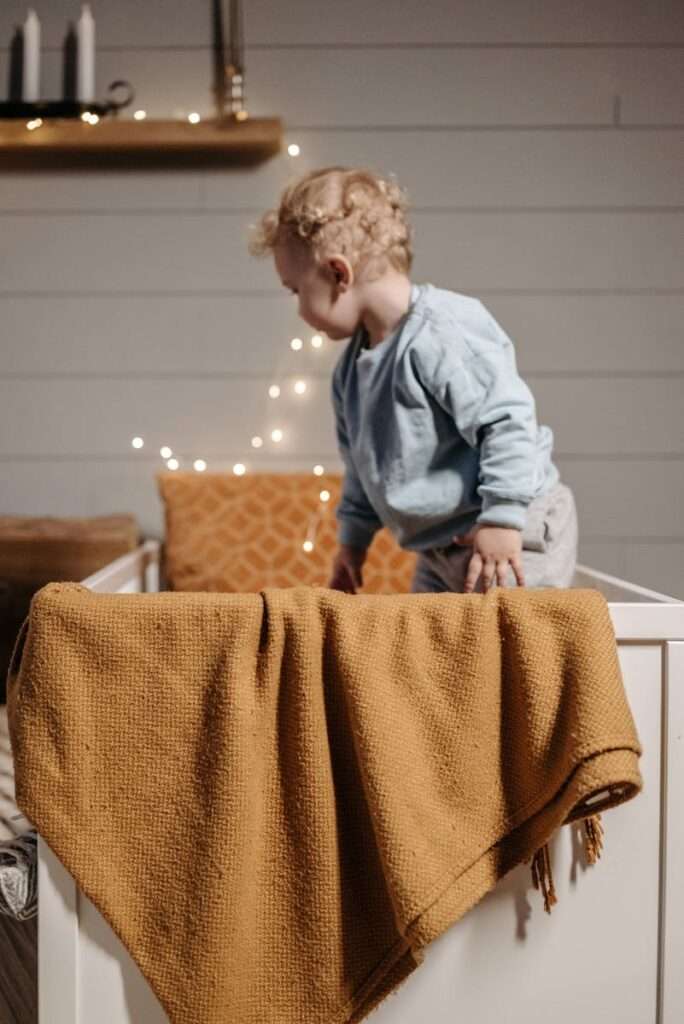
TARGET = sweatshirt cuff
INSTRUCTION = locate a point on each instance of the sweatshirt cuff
(511, 514)
(352, 533)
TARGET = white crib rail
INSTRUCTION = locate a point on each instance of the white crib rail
(135, 572)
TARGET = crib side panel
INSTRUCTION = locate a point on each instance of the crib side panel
(673, 874)
(58, 941)
(595, 957)
(136, 572)
(80, 960)
(111, 987)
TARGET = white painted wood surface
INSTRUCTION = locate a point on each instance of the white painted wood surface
(202, 250)
(552, 189)
(157, 408)
(164, 23)
(59, 942)
(585, 83)
(611, 948)
(90, 336)
(673, 853)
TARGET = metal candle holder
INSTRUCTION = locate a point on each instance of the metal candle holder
(229, 75)
(45, 109)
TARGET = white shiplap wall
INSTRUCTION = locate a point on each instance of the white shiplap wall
(542, 147)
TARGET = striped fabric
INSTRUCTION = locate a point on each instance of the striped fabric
(19, 876)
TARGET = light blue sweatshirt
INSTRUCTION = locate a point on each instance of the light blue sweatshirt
(436, 429)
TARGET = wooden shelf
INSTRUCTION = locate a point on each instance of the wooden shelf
(117, 142)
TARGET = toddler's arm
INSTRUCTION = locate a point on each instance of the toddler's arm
(346, 570)
(477, 383)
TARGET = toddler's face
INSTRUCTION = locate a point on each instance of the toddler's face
(326, 302)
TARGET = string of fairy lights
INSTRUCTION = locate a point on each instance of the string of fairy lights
(234, 84)
(275, 391)
(90, 117)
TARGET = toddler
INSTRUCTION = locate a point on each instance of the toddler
(436, 429)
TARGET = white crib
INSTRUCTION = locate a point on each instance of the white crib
(611, 951)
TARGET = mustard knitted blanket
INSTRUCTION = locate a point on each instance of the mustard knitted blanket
(278, 799)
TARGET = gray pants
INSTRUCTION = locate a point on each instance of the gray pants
(549, 550)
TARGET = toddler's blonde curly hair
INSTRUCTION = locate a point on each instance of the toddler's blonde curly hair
(349, 211)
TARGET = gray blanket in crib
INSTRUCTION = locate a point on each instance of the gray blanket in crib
(19, 876)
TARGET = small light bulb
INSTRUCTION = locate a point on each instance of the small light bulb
(274, 391)
(318, 470)
(93, 119)
(316, 341)
(293, 149)
(194, 118)
(200, 465)
(140, 115)
(296, 344)
(257, 442)
(173, 464)
(85, 116)
(137, 442)
(300, 386)
(324, 495)
(276, 435)
(165, 452)
(239, 469)
(34, 123)
(308, 545)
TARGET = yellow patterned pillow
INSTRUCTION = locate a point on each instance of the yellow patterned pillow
(242, 533)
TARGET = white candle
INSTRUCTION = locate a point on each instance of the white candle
(31, 72)
(85, 87)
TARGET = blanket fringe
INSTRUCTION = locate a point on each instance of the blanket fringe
(541, 862)
(542, 877)
(593, 837)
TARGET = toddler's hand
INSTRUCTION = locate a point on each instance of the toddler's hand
(346, 570)
(495, 547)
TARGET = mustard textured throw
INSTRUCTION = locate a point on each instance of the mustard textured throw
(278, 799)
